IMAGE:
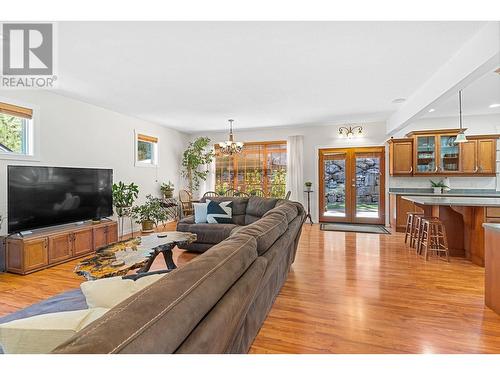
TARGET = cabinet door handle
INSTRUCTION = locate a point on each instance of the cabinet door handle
(436, 169)
(411, 169)
(476, 169)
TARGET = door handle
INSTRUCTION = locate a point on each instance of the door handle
(411, 169)
(476, 169)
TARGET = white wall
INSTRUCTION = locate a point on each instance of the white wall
(325, 136)
(315, 137)
(76, 134)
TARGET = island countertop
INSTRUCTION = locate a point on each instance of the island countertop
(482, 193)
(454, 201)
(492, 226)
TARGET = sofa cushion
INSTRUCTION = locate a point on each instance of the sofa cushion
(287, 208)
(239, 207)
(208, 233)
(175, 304)
(110, 292)
(266, 231)
(257, 207)
(42, 333)
(200, 212)
(219, 212)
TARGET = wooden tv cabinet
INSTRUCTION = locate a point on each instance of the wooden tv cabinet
(49, 247)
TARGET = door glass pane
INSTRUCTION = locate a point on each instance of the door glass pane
(449, 153)
(426, 154)
(367, 187)
(334, 187)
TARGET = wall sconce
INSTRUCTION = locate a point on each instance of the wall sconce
(351, 131)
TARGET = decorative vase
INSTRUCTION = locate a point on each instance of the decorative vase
(308, 187)
(147, 226)
(437, 190)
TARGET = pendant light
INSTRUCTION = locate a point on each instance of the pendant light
(230, 147)
(461, 138)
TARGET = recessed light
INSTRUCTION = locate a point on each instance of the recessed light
(431, 110)
(495, 105)
(399, 100)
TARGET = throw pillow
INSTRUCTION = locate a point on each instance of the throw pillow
(200, 212)
(43, 333)
(220, 212)
(111, 291)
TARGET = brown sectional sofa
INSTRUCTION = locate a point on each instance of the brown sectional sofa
(214, 304)
(245, 211)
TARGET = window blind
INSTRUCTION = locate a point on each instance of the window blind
(147, 138)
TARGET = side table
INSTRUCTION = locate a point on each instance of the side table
(309, 205)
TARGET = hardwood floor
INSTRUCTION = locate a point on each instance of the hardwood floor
(346, 293)
(367, 293)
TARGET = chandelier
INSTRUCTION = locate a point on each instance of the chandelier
(350, 132)
(230, 147)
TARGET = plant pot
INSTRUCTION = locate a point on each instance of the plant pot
(123, 210)
(168, 194)
(148, 226)
(437, 190)
(308, 187)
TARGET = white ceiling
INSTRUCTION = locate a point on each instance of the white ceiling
(193, 76)
(476, 99)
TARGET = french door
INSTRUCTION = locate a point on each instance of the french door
(352, 185)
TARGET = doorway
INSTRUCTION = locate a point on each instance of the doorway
(352, 185)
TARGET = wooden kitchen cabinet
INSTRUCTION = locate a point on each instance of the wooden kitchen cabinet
(435, 153)
(105, 235)
(401, 157)
(478, 156)
(398, 208)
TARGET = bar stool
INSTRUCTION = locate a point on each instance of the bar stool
(433, 238)
(411, 218)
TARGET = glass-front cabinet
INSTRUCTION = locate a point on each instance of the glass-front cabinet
(436, 153)
(426, 151)
(449, 154)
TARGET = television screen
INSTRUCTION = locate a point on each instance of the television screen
(45, 196)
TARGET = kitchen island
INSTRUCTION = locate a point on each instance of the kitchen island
(463, 218)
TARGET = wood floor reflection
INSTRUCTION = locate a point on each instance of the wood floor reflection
(367, 293)
(346, 293)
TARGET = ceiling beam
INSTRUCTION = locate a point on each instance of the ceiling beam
(475, 58)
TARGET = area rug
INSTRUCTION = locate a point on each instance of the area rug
(360, 228)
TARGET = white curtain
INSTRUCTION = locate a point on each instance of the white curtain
(295, 167)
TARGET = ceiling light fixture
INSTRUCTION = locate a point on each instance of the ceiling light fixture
(461, 138)
(351, 131)
(431, 110)
(399, 100)
(495, 105)
(230, 147)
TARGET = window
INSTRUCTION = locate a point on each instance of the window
(15, 130)
(260, 166)
(146, 150)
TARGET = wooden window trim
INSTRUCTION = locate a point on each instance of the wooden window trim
(147, 138)
(14, 110)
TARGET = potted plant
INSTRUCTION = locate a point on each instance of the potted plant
(167, 189)
(438, 186)
(195, 157)
(308, 185)
(150, 213)
(123, 197)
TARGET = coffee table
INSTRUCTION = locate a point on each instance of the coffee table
(140, 252)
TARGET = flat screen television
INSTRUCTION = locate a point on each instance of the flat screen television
(45, 196)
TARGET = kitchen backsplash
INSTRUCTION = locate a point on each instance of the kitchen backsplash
(455, 182)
